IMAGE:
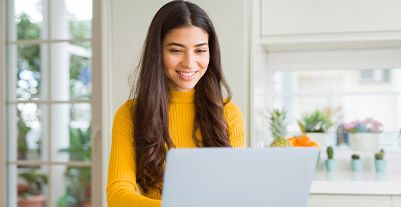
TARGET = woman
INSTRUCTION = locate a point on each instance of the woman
(178, 102)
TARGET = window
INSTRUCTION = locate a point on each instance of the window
(49, 104)
(341, 92)
(354, 84)
(375, 75)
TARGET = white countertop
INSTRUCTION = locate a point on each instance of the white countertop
(362, 183)
(367, 182)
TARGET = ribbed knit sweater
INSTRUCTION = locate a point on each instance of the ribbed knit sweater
(122, 190)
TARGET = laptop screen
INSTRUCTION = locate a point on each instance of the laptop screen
(279, 177)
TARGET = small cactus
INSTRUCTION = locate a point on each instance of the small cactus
(355, 157)
(330, 152)
(379, 155)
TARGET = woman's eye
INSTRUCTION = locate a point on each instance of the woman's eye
(201, 51)
(175, 51)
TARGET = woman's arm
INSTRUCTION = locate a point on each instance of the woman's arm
(122, 190)
(236, 128)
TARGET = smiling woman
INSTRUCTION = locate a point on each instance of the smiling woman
(178, 102)
(185, 57)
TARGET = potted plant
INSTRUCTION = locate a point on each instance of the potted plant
(316, 126)
(278, 128)
(364, 135)
(330, 163)
(380, 162)
(356, 163)
(30, 189)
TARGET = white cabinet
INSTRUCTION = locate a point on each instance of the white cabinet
(397, 201)
(288, 25)
(319, 200)
(288, 17)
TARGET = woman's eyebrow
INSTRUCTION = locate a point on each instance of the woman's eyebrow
(201, 44)
(181, 45)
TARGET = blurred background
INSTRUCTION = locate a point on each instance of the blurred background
(65, 69)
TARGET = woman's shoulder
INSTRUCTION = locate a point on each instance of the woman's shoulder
(126, 109)
(231, 109)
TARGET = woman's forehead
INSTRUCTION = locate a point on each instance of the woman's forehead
(187, 36)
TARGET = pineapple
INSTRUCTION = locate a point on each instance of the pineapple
(278, 128)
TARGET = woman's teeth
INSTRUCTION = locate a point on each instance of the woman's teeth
(186, 74)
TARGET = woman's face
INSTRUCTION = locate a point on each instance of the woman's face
(185, 56)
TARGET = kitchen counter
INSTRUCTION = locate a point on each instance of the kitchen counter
(367, 182)
(361, 183)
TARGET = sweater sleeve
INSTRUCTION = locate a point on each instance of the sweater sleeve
(236, 128)
(122, 190)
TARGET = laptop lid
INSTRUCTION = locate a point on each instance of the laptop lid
(219, 177)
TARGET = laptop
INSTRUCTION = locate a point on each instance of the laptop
(227, 177)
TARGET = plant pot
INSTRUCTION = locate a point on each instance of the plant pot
(356, 165)
(364, 141)
(323, 139)
(380, 165)
(330, 165)
(31, 201)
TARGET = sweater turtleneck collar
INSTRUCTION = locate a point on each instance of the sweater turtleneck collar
(182, 97)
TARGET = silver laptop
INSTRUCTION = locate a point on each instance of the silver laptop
(226, 177)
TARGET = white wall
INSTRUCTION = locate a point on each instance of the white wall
(129, 24)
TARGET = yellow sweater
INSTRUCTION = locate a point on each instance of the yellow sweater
(122, 190)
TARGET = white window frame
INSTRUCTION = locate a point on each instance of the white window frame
(2, 105)
(98, 137)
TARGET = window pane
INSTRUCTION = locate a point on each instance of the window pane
(26, 134)
(72, 186)
(336, 81)
(71, 19)
(71, 132)
(343, 92)
(72, 76)
(26, 66)
(29, 184)
(80, 70)
(27, 20)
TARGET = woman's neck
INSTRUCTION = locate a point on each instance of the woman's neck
(182, 97)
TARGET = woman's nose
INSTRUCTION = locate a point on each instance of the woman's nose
(189, 60)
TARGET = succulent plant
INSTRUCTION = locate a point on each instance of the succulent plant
(330, 152)
(278, 128)
(316, 121)
(355, 157)
(379, 155)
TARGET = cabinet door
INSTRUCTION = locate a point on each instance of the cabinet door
(288, 17)
(396, 201)
(349, 201)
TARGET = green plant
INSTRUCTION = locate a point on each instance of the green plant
(316, 121)
(330, 152)
(33, 182)
(355, 157)
(278, 127)
(78, 189)
(379, 155)
(23, 130)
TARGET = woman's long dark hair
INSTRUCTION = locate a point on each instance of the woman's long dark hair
(152, 138)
